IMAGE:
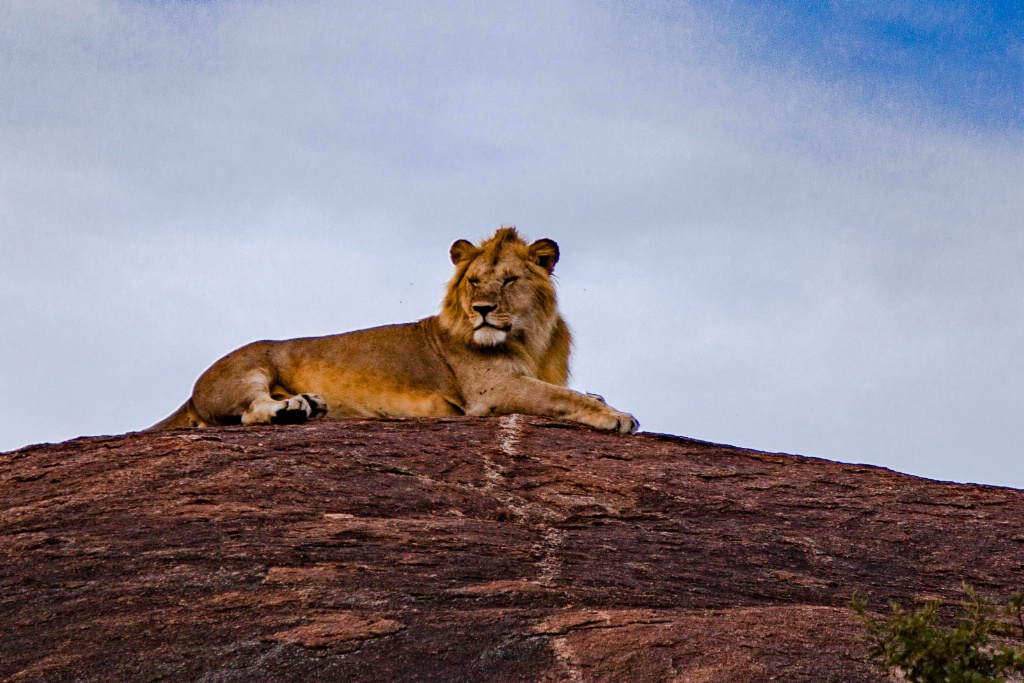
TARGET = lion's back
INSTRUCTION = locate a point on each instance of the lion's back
(401, 355)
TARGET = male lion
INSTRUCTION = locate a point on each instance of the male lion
(498, 347)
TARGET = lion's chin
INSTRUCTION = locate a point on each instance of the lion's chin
(489, 336)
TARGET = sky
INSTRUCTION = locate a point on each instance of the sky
(787, 226)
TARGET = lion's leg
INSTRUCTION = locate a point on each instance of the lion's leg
(535, 397)
(230, 393)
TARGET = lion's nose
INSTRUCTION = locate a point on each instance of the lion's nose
(483, 309)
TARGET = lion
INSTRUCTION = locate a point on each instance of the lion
(499, 346)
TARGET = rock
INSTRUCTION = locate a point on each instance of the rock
(511, 549)
(338, 631)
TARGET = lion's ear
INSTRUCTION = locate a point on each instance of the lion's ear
(462, 250)
(545, 253)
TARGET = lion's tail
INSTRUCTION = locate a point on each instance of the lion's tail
(185, 416)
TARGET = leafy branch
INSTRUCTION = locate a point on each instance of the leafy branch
(972, 649)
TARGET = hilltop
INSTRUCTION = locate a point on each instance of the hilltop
(511, 549)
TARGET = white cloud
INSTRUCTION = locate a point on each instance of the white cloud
(747, 257)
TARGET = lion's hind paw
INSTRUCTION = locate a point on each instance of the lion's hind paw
(317, 405)
(298, 409)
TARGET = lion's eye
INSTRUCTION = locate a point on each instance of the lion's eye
(474, 281)
(512, 278)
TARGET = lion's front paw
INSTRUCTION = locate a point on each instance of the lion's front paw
(615, 421)
(627, 423)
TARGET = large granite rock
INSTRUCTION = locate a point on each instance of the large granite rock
(512, 549)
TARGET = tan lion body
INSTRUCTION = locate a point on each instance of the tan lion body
(498, 347)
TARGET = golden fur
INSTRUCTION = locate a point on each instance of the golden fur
(499, 346)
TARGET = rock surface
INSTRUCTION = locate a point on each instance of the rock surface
(511, 549)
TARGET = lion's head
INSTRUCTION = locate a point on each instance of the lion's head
(501, 295)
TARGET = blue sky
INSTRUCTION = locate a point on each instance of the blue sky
(960, 62)
(780, 229)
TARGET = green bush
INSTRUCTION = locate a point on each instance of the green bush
(960, 648)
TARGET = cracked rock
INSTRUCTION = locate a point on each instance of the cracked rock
(468, 549)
